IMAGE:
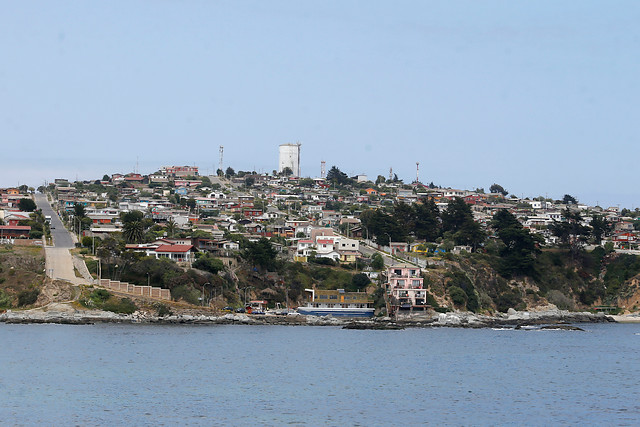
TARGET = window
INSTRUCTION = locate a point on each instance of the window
(333, 296)
(323, 297)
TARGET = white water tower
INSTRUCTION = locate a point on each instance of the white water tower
(289, 158)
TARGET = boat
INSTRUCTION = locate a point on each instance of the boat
(338, 303)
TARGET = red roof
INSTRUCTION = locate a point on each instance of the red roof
(15, 227)
(174, 248)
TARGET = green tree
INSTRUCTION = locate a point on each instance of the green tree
(383, 226)
(79, 211)
(520, 248)
(359, 281)
(26, 205)
(133, 231)
(571, 231)
(230, 172)
(249, 181)
(171, 227)
(600, 227)
(497, 188)
(260, 253)
(458, 220)
(377, 262)
(306, 182)
(286, 171)
(569, 200)
(338, 177)
(427, 221)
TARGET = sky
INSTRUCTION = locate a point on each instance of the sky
(540, 97)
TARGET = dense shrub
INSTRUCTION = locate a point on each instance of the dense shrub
(458, 296)
(321, 261)
(28, 297)
(5, 300)
(186, 293)
(208, 263)
(124, 306)
(560, 300)
(509, 299)
(163, 310)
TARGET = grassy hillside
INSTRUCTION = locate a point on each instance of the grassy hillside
(21, 275)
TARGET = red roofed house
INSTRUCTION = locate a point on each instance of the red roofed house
(12, 231)
(178, 253)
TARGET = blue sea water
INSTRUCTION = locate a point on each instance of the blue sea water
(280, 375)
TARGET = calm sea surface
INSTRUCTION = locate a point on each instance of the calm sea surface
(272, 375)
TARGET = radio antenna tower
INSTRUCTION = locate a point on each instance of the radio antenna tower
(299, 168)
(221, 155)
(323, 170)
(417, 172)
(390, 174)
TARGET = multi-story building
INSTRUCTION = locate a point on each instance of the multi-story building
(180, 171)
(405, 288)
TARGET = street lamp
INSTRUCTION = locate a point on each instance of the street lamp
(203, 291)
(245, 293)
(390, 250)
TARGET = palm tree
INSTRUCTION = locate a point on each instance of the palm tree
(171, 227)
(133, 231)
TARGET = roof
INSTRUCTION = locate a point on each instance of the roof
(174, 248)
(15, 227)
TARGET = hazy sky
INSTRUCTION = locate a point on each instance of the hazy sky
(538, 96)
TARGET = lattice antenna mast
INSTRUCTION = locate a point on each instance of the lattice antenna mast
(221, 157)
(417, 172)
(323, 169)
(299, 167)
(390, 174)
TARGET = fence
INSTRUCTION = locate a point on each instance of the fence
(141, 291)
(420, 262)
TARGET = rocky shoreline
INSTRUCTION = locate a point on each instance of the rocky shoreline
(61, 313)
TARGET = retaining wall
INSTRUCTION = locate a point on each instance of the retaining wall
(141, 291)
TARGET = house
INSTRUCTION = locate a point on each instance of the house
(349, 257)
(345, 244)
(405, 288)
(316, 232)
(250, 213)
(304, 247)
(13, 231)
(187, 182)
(177, 253)
(13, 218)
(179, 171)
(330, 218)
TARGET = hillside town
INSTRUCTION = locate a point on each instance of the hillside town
(372, 227)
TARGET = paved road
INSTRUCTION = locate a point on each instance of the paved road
(59, 264)
(61, 237)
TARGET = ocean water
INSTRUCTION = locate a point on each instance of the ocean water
(280, 375)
